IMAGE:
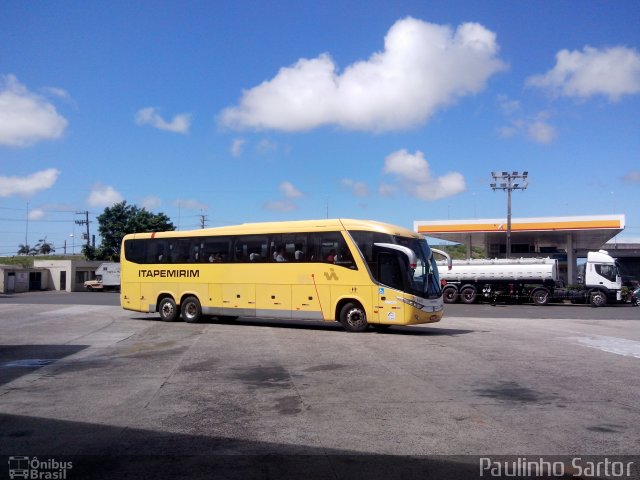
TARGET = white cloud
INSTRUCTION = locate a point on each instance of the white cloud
(58, 92)
(414, 175)
(507, 105)
(25, 117)
(28, 185)
(423, 67)
(359, 189)
(541, 132)
(536, 128)
(266, 146)
(149, 116)
(103, 196)
(151, 202)
(387, 190)
(36, 214)
(632, 177)
(612, 72)
(289, 191)
(237, 146)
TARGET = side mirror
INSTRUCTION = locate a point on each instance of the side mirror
(445, 255)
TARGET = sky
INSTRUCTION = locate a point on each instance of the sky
(225, 112)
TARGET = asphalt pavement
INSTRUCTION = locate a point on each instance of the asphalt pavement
(120, 394)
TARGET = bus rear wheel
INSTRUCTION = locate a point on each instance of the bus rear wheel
(168, 310)
(191, 310)
(353, 318)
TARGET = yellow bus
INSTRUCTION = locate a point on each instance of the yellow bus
(360, 273)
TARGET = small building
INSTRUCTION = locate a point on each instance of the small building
(17, 279)
(68, 275)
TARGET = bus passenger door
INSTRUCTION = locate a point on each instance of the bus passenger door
(390, 275)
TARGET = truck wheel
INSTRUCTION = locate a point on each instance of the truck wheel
(191, 310)
(598, 299)
(353, 318)
(468, 295)
(540, 297)
(450, 294)
(168, 310)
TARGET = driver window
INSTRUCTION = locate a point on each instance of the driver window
(389, 271)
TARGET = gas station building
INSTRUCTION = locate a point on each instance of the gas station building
(563, 238)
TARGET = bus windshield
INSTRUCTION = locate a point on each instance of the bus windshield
(423, 281)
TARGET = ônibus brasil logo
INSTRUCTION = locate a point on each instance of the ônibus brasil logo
(36, 469)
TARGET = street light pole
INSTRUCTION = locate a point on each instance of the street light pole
(509, 182)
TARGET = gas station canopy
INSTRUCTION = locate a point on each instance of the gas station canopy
(529, 236)
(562, 237)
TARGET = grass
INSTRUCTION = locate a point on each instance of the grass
(26, 261)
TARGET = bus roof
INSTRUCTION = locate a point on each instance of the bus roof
(287, 227)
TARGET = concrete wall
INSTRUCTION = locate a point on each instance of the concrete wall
(68, 275)
(16, 279)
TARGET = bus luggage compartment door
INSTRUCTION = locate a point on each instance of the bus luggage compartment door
(273, 301)
(240, 299)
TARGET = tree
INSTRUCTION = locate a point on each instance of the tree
(43, 247)
(119, 220)
(24, 249)
(459, 251)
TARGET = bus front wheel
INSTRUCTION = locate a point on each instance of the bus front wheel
(168, 310)
(191, 310)
(353, 318)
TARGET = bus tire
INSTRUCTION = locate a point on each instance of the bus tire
(353, 317)
(168, 310)
(191, 310)
(450, 294)
(598, 298)
(540, 296)
(468, 294)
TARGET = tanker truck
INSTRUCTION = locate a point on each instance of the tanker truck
(533, 280)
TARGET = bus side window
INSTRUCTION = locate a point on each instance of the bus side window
(181, 250)
(135, 250)
(251, 248)
(332, 248)
(157, 251)
(215, 249)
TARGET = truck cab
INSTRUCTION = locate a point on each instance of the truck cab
(602, 273)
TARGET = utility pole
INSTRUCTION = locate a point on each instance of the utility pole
(509, 182)
(84, 222)
(26, 234)
(203, 219)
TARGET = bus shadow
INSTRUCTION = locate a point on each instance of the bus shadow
(424, 331)
(321, 326)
